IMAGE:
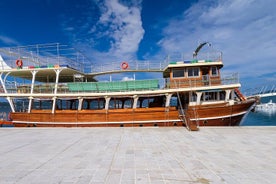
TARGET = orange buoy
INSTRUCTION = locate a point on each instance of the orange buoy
(124, 65)
(19, 63)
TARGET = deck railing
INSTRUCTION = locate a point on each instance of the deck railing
(119, 86)
(43, 55)
(114, 67)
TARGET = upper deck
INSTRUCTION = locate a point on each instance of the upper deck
(48, 56)
(56, 68)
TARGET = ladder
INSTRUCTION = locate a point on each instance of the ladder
(181, 112)
(239, 94)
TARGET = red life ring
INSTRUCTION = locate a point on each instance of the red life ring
(19, 63)
(124, 65)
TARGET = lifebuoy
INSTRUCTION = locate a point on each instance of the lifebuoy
(19, 63)
(124, 65)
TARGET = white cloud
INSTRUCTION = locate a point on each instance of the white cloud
(110, 32)
(243, 29)
(8, 41)
(123, 26)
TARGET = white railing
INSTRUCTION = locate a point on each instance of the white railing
(63, 88)
(128, 66)
(44, 55)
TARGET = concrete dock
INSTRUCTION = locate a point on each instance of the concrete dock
(138, 155)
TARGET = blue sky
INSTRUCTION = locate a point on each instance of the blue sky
(113, 30)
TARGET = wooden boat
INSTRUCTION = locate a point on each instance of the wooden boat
(46, 89)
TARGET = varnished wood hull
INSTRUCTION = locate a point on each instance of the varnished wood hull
(219, 114)
(4, 123)
(211, 115)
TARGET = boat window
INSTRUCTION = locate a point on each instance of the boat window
(209, 96)
(128, 103)
(154, 101)
(67, 104)
(173, 101)
(143, 102)
(214, 70)
(21, 105)
(93, 103)
(222, 95)
(120, 103)
(98, 104)
(193, 97)
(42, 104)
(193, 72)
(178, 73)
(114, 104)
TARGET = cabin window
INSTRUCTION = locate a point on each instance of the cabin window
(193, 72)
(144, 102)
(193, 97)
(209, 96)
(67, 104)
(42, 104)
(120, 103)
(21, 105)
(214, 70)
(155, 101)
(93, 103)
(173, 101)
(222, 95)
(178, 73)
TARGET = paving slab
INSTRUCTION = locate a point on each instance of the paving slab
(154, 155)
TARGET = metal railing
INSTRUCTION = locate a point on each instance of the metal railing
(44, 55)
(63, 88)
(151, 66)
(147, 66)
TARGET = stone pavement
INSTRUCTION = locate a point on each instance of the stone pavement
(167, 155)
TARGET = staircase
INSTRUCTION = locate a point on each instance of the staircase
(182, 116)
(239, 94)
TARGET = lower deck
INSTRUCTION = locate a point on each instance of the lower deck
(209, 115)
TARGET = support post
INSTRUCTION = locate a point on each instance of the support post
(30, 104)
(135, 101)
(168, 99)
(54, 105)
(107, 99)
(227, 95)
(2, 83)
(11, 104)
(80, 103)
(33, 80)
(57, 78)
(198, 97)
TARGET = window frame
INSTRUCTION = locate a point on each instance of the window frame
(178, 70)
(216, 69)
(193, 72)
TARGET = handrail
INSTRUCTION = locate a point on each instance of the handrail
(183, 113)
(138, 85)
(44, 54)
(113, 67)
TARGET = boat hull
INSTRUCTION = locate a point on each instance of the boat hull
(211, 115)
(219, 114)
